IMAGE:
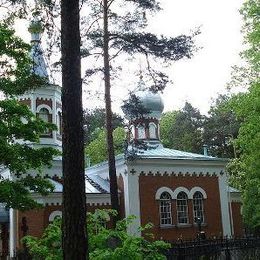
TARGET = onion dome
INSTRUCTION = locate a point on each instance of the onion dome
(144, 110)
(150, 102)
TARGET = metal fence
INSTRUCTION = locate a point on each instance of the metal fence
(216, 249)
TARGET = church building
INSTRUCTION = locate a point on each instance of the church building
(179, 192)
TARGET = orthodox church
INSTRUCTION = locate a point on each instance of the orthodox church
(179, 192)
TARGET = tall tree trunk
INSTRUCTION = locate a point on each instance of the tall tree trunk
(74, 238)
(110, 143)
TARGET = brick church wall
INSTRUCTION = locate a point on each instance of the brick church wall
(148, 185)
(237, 219)
(38, 219)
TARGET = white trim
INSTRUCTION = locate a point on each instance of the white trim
(132, 202)
(178, 190)
(195, 189)
(13, 232)
(43, 106)
(224, 205)
(58, 110)
(54, 214)
(161, 190)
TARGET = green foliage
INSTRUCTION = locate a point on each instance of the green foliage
(17, 194)
(96, 150)
(18, 125)
(95, 120)
(104, 243)
(166, 124)
(16, 74)
(48, 247)
(220, 129)
(247, 107)
(181, 129)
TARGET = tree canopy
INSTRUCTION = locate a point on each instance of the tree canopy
(17, 122)
(246, 107)
(182, 129)
(96, 151)
(95, 120)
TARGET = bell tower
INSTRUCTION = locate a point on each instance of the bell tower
(45, 101)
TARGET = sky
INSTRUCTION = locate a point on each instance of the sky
(201, 78)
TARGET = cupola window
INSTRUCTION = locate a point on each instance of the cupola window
(152, 131)
(141, 132)
(44, 114)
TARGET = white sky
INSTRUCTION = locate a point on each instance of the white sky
(206, 74)
(199, 79)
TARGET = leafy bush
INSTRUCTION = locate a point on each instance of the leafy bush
(104, 243)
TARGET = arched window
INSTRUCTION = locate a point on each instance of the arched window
(165, 209)
(59, 123)
(198, 207)
(152, 131)
(141, 132)
(55, 214)
(182, 208)
(44, 114)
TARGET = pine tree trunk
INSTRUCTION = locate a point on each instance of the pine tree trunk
(74, 241)
(109, 128)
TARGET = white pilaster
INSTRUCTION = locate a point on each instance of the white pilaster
(13, 232)
(132, 201)
(224, 204)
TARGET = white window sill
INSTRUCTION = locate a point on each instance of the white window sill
(167, 226)
(184, 225)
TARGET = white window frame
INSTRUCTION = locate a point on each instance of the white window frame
(182, 209)
(165, 209)
(198, 207)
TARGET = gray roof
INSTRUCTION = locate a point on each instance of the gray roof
(166, 153)
(94, 184)
(233, 190)
(4, 214)
(57, 186)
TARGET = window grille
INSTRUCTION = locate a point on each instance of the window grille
(198, 207)
(182, 208)
(165, 209)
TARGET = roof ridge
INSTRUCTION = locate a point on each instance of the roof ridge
(95, 185)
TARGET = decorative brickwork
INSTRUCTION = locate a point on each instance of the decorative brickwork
(148, 185)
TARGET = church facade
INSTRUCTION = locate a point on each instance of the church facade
(181, 193)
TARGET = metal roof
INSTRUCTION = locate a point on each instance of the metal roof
(166, 153)
(4, 214)
(94, 184)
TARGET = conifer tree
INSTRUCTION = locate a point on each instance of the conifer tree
(119, 29)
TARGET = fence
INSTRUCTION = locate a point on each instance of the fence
(216, 249)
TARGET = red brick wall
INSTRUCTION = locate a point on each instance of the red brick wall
(26, 102)
(35, 222)
(38, 220)
(43, 101)
(148, 185)
(237, 219)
